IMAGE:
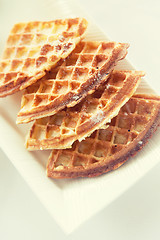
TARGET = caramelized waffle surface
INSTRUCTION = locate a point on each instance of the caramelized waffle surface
(79, 74)
(107, 149)
(62, 129)
(34, 47)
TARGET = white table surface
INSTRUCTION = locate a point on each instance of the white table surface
(134, 215)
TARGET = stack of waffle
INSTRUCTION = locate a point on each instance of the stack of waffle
(83, 109)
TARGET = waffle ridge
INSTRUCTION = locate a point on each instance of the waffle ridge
(107, 149)
(33, 48)
(76, 123)
(67, 84)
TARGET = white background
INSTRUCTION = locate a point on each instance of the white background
(136, 214)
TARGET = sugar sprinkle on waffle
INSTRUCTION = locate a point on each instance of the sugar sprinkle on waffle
(76, 123)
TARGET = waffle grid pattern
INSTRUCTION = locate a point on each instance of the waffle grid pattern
(104, 143)
(66, 123)
(65, 84)
(36, 46)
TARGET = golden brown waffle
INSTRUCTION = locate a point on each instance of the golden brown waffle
(84, 70)
(62, 129)
(34, 47)
(107, 149)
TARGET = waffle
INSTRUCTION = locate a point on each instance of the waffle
(107, 149)
(62, 129)
(84, 70)
(34, 47)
